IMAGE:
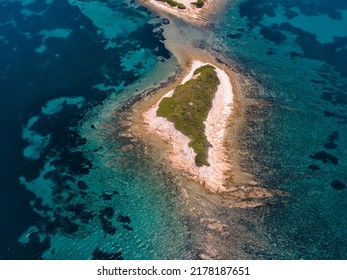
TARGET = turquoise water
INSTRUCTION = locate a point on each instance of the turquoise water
(297, 51)
(69, 191)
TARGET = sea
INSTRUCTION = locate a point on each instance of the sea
(69, 189)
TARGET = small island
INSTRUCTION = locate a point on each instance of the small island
(193, 118)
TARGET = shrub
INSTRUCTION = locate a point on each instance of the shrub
(172, 3)
(181, 6)
(199, 3)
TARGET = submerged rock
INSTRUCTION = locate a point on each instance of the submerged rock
(165, 21)
(337, 185)
(125, 123)
(127, 148)
(125, 134)
(100, 255)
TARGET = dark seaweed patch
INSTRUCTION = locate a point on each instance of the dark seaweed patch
(331, 141)
(74, 162)
(107, 226)
(273, 34)
(127, 227)
(331, 115)
(69, 178)
(100, 255)
(86, 216)
(313, 167)
(124, 219)
(62, 223)
(318, 82)
(106, 214)
(234, 35)
(337, 185)
(82, 185)
(106, 196)
(152, 40)
(334, 96)
(295, 54)
(325, 157)
(342, 119)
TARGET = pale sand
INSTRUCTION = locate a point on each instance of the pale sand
(191, 11)
(182, 156)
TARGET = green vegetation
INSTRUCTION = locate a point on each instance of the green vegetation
(173, 3)
(181, 6)
(188, 108)
(199, 3)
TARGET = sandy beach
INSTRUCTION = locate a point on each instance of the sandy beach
(181, 155)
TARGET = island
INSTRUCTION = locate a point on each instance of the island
(193, 119)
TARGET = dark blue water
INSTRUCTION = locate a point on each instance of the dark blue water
(68, 191)
(59, 61)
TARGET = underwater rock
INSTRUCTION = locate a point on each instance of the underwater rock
(82, 185)
(125, 134)
(313, 167)
(106, 196)
(165, 21)
(125, 123)
(127, 227)
(337, 185)
(100, 255)
(127, 148)
(325, 157)
(124, 219)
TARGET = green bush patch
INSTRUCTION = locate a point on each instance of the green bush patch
(173, 3)
(199, 3)
(188, 108)
(181, 6)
